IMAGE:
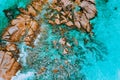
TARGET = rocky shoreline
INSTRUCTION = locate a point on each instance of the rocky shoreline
(22, 27)
(25, 28)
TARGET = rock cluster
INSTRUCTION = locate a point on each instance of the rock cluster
(66, 13)
(8, 62)
(72, 13)
(23, 28)
(65, 45)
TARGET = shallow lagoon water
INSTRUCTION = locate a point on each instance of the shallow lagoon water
(107, 30)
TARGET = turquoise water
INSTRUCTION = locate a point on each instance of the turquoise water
(107, 35)
(107, 30)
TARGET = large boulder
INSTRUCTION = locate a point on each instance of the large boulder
(8, 65)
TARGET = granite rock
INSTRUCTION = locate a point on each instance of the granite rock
(8, 65)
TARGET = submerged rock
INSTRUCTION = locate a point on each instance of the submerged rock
(11, 12)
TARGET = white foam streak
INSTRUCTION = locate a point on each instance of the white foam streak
(23, 54)
(24, 76)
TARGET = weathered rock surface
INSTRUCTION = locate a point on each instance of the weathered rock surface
(8, 65)
(24, 27)
(12, 47)
(89, 9)
(79, 19)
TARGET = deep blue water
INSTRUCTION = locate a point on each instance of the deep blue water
(107, 30)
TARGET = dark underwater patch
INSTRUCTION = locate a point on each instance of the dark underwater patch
(11, 12)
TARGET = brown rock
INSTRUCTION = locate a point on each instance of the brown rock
(58, 8)
(23, 26)
(8, 66)
(65, 51)
(63, 13)
(12, 29)
(6, 35)
(77, 24)
(51, 22)
(23, 11)
(77, 16)
(55, 70)
(69, 23)
(70, 16)
(31, 10)
(34, 25)
(32, 31)
(37, 5)
(58, 16)
(78, 2)
(57, 21)
(64, 19)
(27, 39)
(17, 30)
(66, 2)
(42, 70)
(11, 47)
(88, 28)
(84, 21)
(62, 41)
(89, 9)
